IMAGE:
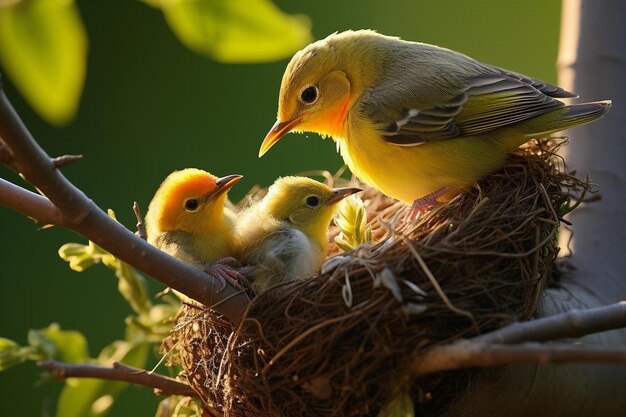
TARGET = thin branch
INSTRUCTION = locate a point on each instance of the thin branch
(31, 204)
(435, 284)
(574, 323)
(163, 385)
(469, 354)
(141, 226)
(6, 156)
(80, 214)
(63, 160)
(511, 343)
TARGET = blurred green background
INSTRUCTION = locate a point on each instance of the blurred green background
(150, 106)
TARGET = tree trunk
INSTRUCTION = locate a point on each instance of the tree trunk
(592, 63)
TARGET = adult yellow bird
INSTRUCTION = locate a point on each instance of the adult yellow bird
(284, 236)
(188, 220)
(416, 121)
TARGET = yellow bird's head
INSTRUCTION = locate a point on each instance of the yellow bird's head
(320, 85)
(189, 200)
(306, 204)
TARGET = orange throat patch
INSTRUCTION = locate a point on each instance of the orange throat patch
(332, 122)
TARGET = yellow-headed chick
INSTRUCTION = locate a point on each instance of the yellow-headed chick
(188, 220)
(416, 121)
(284, 236)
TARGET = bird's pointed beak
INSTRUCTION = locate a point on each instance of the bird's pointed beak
(224, 184)
(341, 193)
(277, 131)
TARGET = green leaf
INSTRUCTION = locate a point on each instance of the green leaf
(11, 354)
(47, 343)
(43, 48)
(400, 406)
(154, 325)
(179, 406)
(351, 219)
(83, 397)
(63, 345)
(236, 31)
(70, 345)
(131, 284)
(44, 346)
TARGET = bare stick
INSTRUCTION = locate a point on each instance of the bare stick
(141, 226)
(469, 354)
(163, 385)
(79, 213)
(574, 323)
(31, 204)
(434, 282)
(6, 156)
(63, 160)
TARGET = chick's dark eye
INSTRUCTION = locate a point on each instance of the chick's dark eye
(191, 204)
(309, 94)
(312, 201)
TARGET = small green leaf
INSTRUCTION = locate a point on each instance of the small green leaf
(351, 219)
(236, 31)
(47, 343)
(400, 406)
(63, 345)
(44, 346)
(43, 48)
(83, 397)
(131, 284)
(11, 354)
(71, 345)
(154, 325)
(179, 406)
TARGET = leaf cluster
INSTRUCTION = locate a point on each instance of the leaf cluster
(44, 43)
(145, 329)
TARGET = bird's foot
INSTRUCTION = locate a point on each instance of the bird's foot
(223, 271)
(420, 205)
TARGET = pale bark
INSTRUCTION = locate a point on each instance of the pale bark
(592, 63)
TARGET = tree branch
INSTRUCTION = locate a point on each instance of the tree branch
(141, 226)
(79, 213)
(494, 348)
(31, 204)
(6, 156)
(469, 354)
(163, 385)
(63, 160)
(574, 323)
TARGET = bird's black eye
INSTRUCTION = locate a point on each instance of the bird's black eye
(312, 201)
(191, 204)
(309, 95)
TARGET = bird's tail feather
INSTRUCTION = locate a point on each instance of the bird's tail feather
(574, 115)
(578, 114)
(557, 120)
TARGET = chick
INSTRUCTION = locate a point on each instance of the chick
(188, 220)
(284, 236)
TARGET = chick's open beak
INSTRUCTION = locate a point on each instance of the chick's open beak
(224, 184)
(341, 193)
(277, 131)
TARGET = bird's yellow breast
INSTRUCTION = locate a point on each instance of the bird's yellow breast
(410, 172)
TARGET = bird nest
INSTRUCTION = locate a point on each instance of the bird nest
(342, 343)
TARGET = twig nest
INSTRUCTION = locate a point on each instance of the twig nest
(341, 343)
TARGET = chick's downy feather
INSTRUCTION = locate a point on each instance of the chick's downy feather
(284, 236)
(187, 218)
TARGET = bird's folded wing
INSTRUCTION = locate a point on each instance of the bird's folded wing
(489, 102)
